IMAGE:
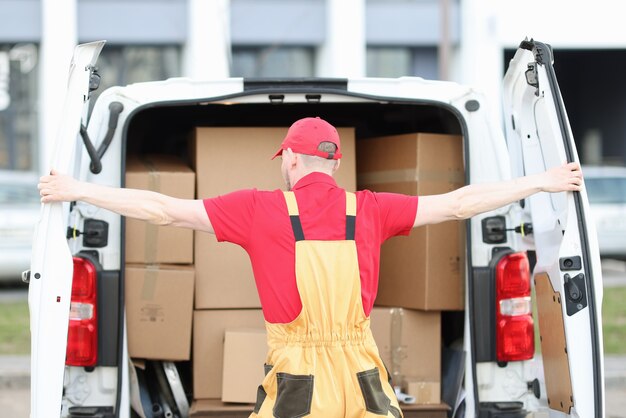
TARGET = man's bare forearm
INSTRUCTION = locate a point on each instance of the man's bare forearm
(145, 205)
(479, 198)
(139, 204)
(475, 199)
(134, 203)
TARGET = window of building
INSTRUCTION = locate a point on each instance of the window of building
(398, 61)
(272, 61)
(18, 115)
(121, 65)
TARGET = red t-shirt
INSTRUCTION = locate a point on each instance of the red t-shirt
(259, 222)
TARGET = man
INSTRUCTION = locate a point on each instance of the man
(315, 254)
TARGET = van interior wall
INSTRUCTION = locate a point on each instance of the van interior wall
(168, 129)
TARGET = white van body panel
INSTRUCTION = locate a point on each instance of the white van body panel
(539, 140)
(51, 267)
(177, 90)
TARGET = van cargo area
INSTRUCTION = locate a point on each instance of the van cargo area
(407, 147)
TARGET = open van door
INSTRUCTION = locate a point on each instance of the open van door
(567, 275)
(51, 269)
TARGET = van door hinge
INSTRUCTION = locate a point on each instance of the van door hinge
(532, 78)
(94, 79)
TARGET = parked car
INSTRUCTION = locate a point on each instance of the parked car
(606, 188)
(19, 211)
(88, 373)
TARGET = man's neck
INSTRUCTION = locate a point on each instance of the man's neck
(299, 175)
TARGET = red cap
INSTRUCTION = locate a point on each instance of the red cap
(305, 135)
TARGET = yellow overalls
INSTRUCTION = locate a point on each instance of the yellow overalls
(325, 362)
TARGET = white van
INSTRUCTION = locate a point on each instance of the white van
(503, 374)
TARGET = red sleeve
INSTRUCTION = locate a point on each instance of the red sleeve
(231, 215)
(397, 214)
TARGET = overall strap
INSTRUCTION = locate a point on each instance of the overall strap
(296, 225)
(294, 215)
(350, 216)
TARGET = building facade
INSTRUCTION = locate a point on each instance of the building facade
(459, 40)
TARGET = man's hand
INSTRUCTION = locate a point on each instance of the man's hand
(145, 205)
(566, 178)
(58, 187)
(471, 200)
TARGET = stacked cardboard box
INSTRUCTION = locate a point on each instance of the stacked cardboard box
(245, 350)
(209, 332)
(400, 335)
(159, 302)
(226, 300)
(429, 264)
(148, 243)
(159, 279)
(422, 273)
(225, 160)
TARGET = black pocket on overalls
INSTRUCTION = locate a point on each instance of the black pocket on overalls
(376, 401)
(294, 395)
(260, 392)
(260, 398)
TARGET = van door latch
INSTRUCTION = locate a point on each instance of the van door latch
(575, 293)
(495, 229)
(95, 233)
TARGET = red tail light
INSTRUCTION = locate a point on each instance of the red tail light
(82, 338)
(515, 338)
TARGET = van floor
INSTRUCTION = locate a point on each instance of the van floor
(216, 408)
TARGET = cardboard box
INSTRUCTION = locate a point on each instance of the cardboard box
(153, 244)
(209, 328)
(425, 270)
(245, 351)
(424, 392)
(159, 310)
(401, 336)
(228, 159)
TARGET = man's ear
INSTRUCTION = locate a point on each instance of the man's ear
(291, 155)
(336, 167)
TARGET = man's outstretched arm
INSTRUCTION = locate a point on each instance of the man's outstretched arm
(474, 199)
(146, 205)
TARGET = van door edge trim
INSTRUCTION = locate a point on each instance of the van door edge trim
(542, 49)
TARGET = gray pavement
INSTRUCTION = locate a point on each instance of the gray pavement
(615, 371)
(14, 372)
(15, 403)
(613, 273)
(13, 294)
